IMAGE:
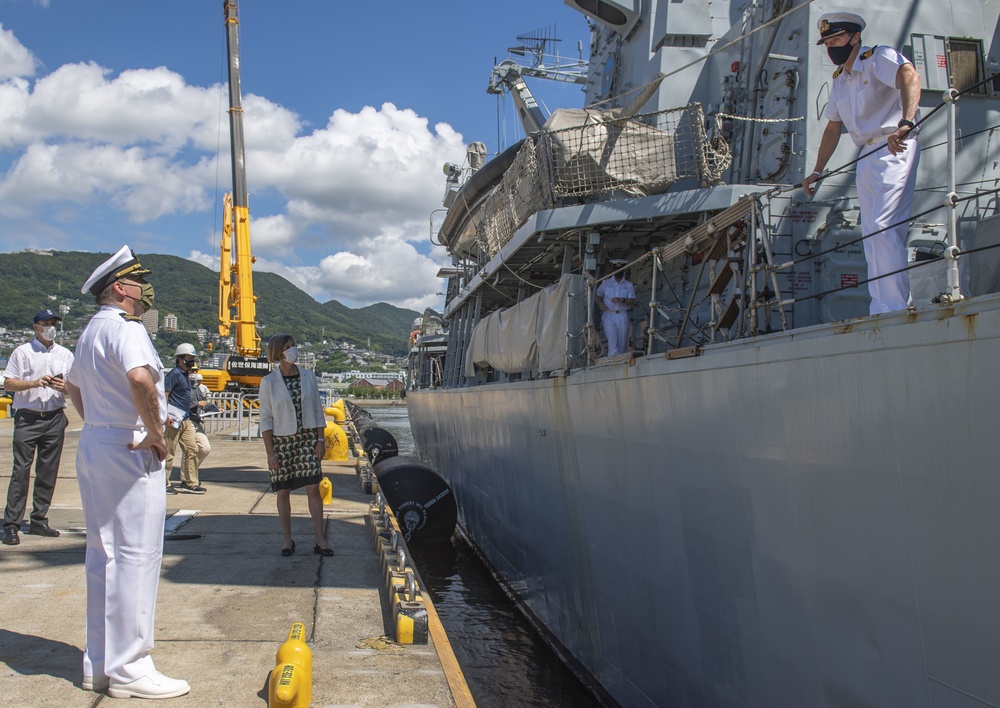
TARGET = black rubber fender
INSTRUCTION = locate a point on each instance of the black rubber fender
(378, 443)
(421, 500)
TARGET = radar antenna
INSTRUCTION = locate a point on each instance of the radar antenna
(508, 75)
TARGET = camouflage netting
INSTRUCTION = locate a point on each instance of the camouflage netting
(595, 156)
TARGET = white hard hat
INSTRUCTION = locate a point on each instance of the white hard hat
(198, 377)
(184, 350)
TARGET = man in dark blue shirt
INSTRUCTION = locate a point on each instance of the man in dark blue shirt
(179, 425)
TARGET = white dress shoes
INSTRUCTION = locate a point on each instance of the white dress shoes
(152, 685)
(90, 685)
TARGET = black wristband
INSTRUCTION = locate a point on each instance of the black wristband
(907, 123)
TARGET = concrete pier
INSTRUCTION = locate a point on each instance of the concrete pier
(227, 598)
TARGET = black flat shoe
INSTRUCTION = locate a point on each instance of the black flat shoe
(322, 551)
(288, 551)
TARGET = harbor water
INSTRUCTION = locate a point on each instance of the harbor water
(504, 660)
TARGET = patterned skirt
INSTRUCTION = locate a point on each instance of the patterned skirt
(297, 463)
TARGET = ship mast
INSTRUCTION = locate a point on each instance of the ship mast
(236, 281)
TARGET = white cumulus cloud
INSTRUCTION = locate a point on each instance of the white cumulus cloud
(341, 210)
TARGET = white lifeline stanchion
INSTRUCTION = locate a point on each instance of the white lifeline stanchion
(951, 253)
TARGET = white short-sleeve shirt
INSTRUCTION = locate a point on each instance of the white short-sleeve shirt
(33, 360)
(866, 100)
(109, 347)
(611, 288)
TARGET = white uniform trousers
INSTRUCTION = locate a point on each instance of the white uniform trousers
(124, 507)
(616, 327)
(885, 192)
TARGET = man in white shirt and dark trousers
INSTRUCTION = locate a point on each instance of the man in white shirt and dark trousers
(35, 374)
(874, 94)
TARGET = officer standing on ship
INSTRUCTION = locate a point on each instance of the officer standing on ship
(875, 94)
(116, 385)
(615, 296)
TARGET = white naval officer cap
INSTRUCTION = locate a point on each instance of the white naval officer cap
(833, 23)
(618, 261)
(123, 263)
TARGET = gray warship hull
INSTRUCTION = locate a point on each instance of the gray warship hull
(772, 498)
(806, 518)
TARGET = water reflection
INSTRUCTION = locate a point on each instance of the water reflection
(504, 660)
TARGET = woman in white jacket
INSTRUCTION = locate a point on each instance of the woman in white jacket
(293, 426)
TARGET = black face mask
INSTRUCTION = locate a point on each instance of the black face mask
(840, 55)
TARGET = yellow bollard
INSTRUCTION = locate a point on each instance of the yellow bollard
(287, 686)
(336, 411)
(336, 442)
(291, 680)
(5, 402)
(326, 490)
(410, 612)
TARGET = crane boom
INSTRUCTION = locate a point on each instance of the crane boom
(245, 367)
(235, 272)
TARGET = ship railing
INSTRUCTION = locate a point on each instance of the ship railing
(597, 158)
(734, 290)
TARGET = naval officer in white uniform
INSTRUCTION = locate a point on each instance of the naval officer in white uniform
(874, 94)
(116, 385)
(615, 295)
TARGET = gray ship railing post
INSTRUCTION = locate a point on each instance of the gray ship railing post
(651, 326)
(751, 273)
(756, 219)
(951, 252)
(589, 329)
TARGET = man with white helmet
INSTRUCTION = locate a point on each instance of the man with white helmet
(180, 429)
(199, 401)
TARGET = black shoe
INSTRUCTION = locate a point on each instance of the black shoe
(322, 551)
(10, 537)
(196, 489)
(288, 551)
(171, 490)
(42, 530)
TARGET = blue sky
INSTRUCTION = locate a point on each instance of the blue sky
(113, 128)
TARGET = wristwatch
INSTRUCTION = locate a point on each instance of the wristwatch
(908, 123)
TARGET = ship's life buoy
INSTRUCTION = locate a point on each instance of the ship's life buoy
(413, 336)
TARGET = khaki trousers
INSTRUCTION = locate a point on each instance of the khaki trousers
(204, 446)
(189, 447)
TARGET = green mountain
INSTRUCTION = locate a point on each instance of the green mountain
(30, 282)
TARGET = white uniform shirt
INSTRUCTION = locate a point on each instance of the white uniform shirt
(109, 347)
(611, 288)
(866, 100)
(31, 361)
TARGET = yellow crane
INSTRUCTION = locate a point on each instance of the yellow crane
(245, 367)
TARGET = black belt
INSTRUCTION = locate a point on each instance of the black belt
(40, 414)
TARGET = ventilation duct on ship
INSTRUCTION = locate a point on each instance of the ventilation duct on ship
(616, 14)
